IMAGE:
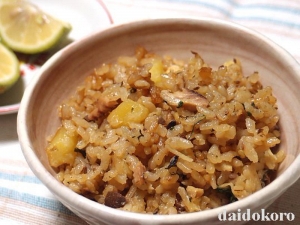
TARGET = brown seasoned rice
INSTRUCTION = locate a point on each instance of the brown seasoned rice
(153, 134)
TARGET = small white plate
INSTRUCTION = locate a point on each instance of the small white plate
(84, 16)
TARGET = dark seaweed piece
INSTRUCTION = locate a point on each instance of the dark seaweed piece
(81, 151)
(171, 124)
(178, 204)
(173, 162)
(228, 193)
(180, 104)
(194, 127)
(141, 135)
(133, 90)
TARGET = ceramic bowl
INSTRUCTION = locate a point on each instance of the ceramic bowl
(216, 41)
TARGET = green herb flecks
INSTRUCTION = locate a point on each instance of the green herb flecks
(180, 104)
(193, 129)
(248, 112)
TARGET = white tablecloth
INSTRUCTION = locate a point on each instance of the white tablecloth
(25, 200)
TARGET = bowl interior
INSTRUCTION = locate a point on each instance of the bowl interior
(216, 42)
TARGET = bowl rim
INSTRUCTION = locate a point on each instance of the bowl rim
(289, 176)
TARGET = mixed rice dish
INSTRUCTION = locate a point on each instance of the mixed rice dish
(154, 134)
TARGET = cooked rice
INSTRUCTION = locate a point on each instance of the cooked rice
(152, 155)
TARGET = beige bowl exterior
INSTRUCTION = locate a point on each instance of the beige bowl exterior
(216, 41)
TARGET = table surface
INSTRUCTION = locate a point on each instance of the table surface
(25, 200)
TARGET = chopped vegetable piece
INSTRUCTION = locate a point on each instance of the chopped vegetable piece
(185, 98)
(61, 149)
(156, 70)
(127, 112)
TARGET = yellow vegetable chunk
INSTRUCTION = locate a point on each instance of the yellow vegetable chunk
(156, 70)
(127, 112)
(61, 149)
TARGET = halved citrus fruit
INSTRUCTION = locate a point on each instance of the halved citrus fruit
(27, 29)
(9, 68)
